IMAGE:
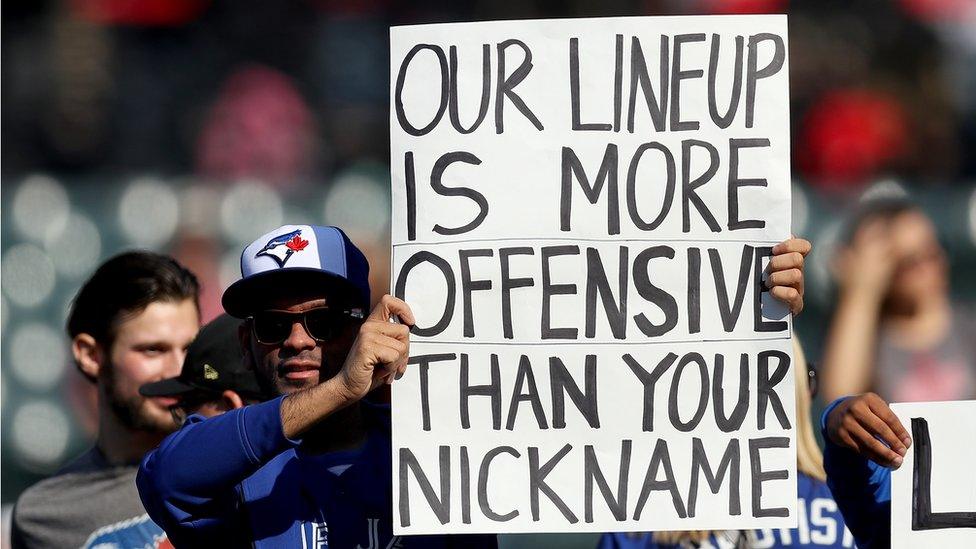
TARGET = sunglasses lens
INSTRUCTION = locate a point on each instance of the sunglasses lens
(321, 324)
(272, 328)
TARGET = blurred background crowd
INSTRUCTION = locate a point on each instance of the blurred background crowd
(189, 126)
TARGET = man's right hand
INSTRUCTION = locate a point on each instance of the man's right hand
(380, 352)
(866, 425)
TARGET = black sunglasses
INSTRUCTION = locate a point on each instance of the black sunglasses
(322, 324)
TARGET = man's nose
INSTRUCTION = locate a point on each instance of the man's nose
(299, 339)
(175, 364)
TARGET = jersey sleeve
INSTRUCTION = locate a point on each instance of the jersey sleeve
(189, 484)
(861, 488)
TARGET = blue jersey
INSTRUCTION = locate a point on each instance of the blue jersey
(862, 489)
(820, 525)
(235, 480)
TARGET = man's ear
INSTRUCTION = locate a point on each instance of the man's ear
(231, 400)
(89, 356)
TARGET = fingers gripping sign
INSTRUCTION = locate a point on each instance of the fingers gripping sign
(866, 425)
(786, 272)
(381, 348)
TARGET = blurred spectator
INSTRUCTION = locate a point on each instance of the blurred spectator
(130, 323)
(895, 330)
(259, 127)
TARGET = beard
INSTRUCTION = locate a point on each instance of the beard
(273, 382)
(136, 412)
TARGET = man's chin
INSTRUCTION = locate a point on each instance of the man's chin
(288, 386)
(155, 418)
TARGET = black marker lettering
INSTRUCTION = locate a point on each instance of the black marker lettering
(677, 75)
(468, 286)
(435, 183)
(485, 89)
(440, 505)
(574, 91)
(572, 168)
(401, 78)
(401, 286)
(506, 86)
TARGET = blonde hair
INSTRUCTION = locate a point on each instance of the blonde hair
(809, 459)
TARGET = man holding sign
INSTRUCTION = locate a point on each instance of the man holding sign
(243, 477)
(311, 467)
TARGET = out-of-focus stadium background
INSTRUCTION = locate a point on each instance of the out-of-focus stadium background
(190, 126)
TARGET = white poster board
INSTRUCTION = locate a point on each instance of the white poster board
(582, 211)
(933, 493)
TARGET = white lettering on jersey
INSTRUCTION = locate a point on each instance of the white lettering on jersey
(817, 510)
(819, 529)
(320, 535)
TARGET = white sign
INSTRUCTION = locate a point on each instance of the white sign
(582, 212)
(933, 493)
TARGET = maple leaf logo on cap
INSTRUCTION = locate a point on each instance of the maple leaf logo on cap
(297, 243)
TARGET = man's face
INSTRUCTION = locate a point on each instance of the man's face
(300, 361)
(148, 347)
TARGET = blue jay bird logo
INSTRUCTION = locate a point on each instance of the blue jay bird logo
(280, 248)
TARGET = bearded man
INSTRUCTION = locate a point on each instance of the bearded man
(130, 324)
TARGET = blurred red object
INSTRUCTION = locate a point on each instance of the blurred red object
(849, 137)
(744, 7)
(259, 126)
(162, 13)
(937, 10)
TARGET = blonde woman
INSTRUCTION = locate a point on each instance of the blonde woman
(821, 524)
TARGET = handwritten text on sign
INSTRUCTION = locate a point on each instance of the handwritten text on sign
(582, 213)
(933, 493)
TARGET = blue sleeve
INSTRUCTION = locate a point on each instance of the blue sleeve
(189, 483)
(861, 488)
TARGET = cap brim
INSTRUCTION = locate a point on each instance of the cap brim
(256, 292)
(168, 387)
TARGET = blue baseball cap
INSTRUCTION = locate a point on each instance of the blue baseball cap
(298, 257)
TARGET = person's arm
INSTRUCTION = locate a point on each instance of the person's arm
(848, 363)
(378, 355)
(786, 272)
(864, 274)
(863, 441)
(189, 483)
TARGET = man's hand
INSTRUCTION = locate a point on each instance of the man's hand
(381, 349)
(866, 425)
(379, 353)
(786, 272)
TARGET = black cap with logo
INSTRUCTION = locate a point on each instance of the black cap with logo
(213, 363)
